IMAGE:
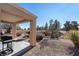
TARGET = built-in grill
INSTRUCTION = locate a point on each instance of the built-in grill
(6, 41)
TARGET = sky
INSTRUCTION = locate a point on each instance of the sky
(46, 11)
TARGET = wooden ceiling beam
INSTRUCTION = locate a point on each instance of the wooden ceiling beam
(6, 22)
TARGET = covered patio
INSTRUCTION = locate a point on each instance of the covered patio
(14, 14)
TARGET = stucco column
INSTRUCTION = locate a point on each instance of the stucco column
(33, 33)
(14, 30)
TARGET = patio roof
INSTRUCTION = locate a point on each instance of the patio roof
(12, 13)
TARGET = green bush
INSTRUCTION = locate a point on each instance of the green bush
(73, 35)
(67, 35)
(55, 34)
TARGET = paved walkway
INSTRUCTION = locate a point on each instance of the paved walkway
(54, 48)
(17, 46)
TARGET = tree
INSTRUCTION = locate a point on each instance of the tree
(50, 24)
(24, 28)
(55, 29)
(46, 26)
(56, 25)
(38, 28)
(5, 26)
(71, 25)
(74, 25)
(67, 26)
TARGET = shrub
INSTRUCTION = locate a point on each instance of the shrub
(67, 35)
(39, 37)
(47, 33)
(28, 32)
(18, 34)
(55, 34)
(73, 35)
(8, 30)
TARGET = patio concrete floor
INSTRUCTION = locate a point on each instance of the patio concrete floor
(17, 46)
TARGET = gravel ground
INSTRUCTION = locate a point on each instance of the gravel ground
(51, 47)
